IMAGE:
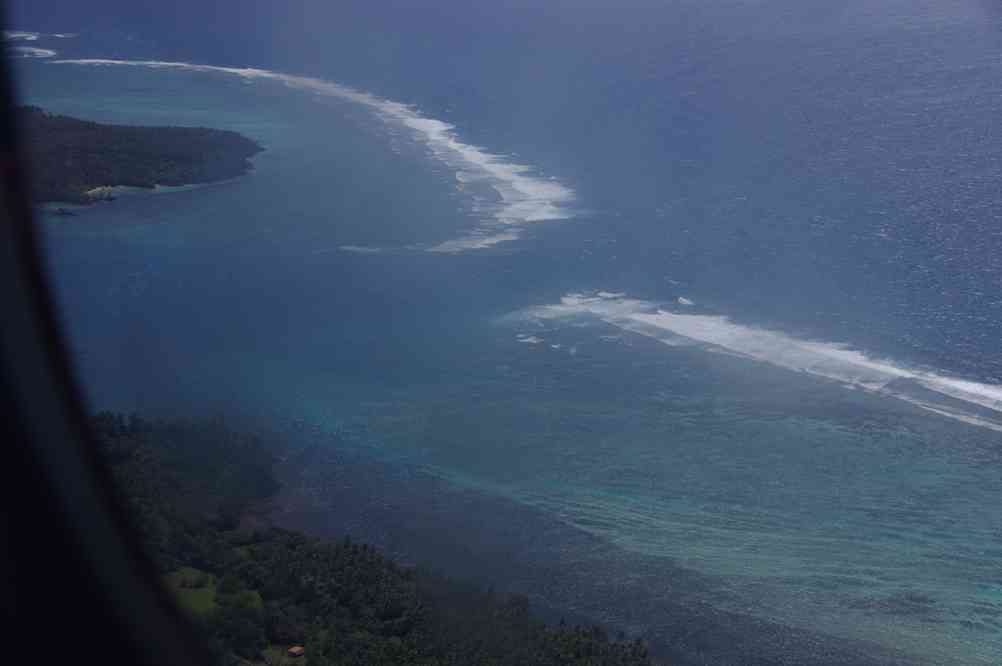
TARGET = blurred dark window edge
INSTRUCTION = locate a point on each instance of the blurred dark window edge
(75, 583)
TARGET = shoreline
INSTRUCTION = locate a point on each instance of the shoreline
(111, 193)
(83, 162)
(420, 519)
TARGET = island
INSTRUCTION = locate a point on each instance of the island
(79, 161)
(200, 496)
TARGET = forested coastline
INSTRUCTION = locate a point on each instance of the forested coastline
(76, 161)
(257, 592)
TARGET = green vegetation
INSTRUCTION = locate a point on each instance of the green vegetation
(257, 592)
(194, 589)
(72, 158)
(275, 655)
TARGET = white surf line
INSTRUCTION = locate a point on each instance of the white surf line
(33, 52)
(31, 36)
(524, 198)
(21, 35)
(828, 360)
(361, 249)
(22, 51)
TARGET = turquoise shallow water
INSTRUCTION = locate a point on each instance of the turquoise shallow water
(308, 290)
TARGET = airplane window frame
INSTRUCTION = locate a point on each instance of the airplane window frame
(70, 560)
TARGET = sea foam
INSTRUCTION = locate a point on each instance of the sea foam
(523, 197)
(20, 35)
(961, 399)
(33, 52)
(30, 36)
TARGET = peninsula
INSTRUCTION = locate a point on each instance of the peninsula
(79, 161)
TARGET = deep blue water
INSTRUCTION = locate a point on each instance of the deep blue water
(738, 308)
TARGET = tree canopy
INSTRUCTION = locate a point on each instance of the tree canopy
(69, 157)
(257, 592)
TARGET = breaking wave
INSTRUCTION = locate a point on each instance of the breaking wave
(21, 35)
(30, 36)
(361, 249)
(522, 197)
(32, 52)
(965, 400)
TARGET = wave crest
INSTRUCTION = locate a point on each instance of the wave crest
(33, 52)
(523, 197)
(961, 399)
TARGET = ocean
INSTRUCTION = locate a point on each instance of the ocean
(701, 299)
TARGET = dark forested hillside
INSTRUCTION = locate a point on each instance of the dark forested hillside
(256, 593)
(69, 157)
